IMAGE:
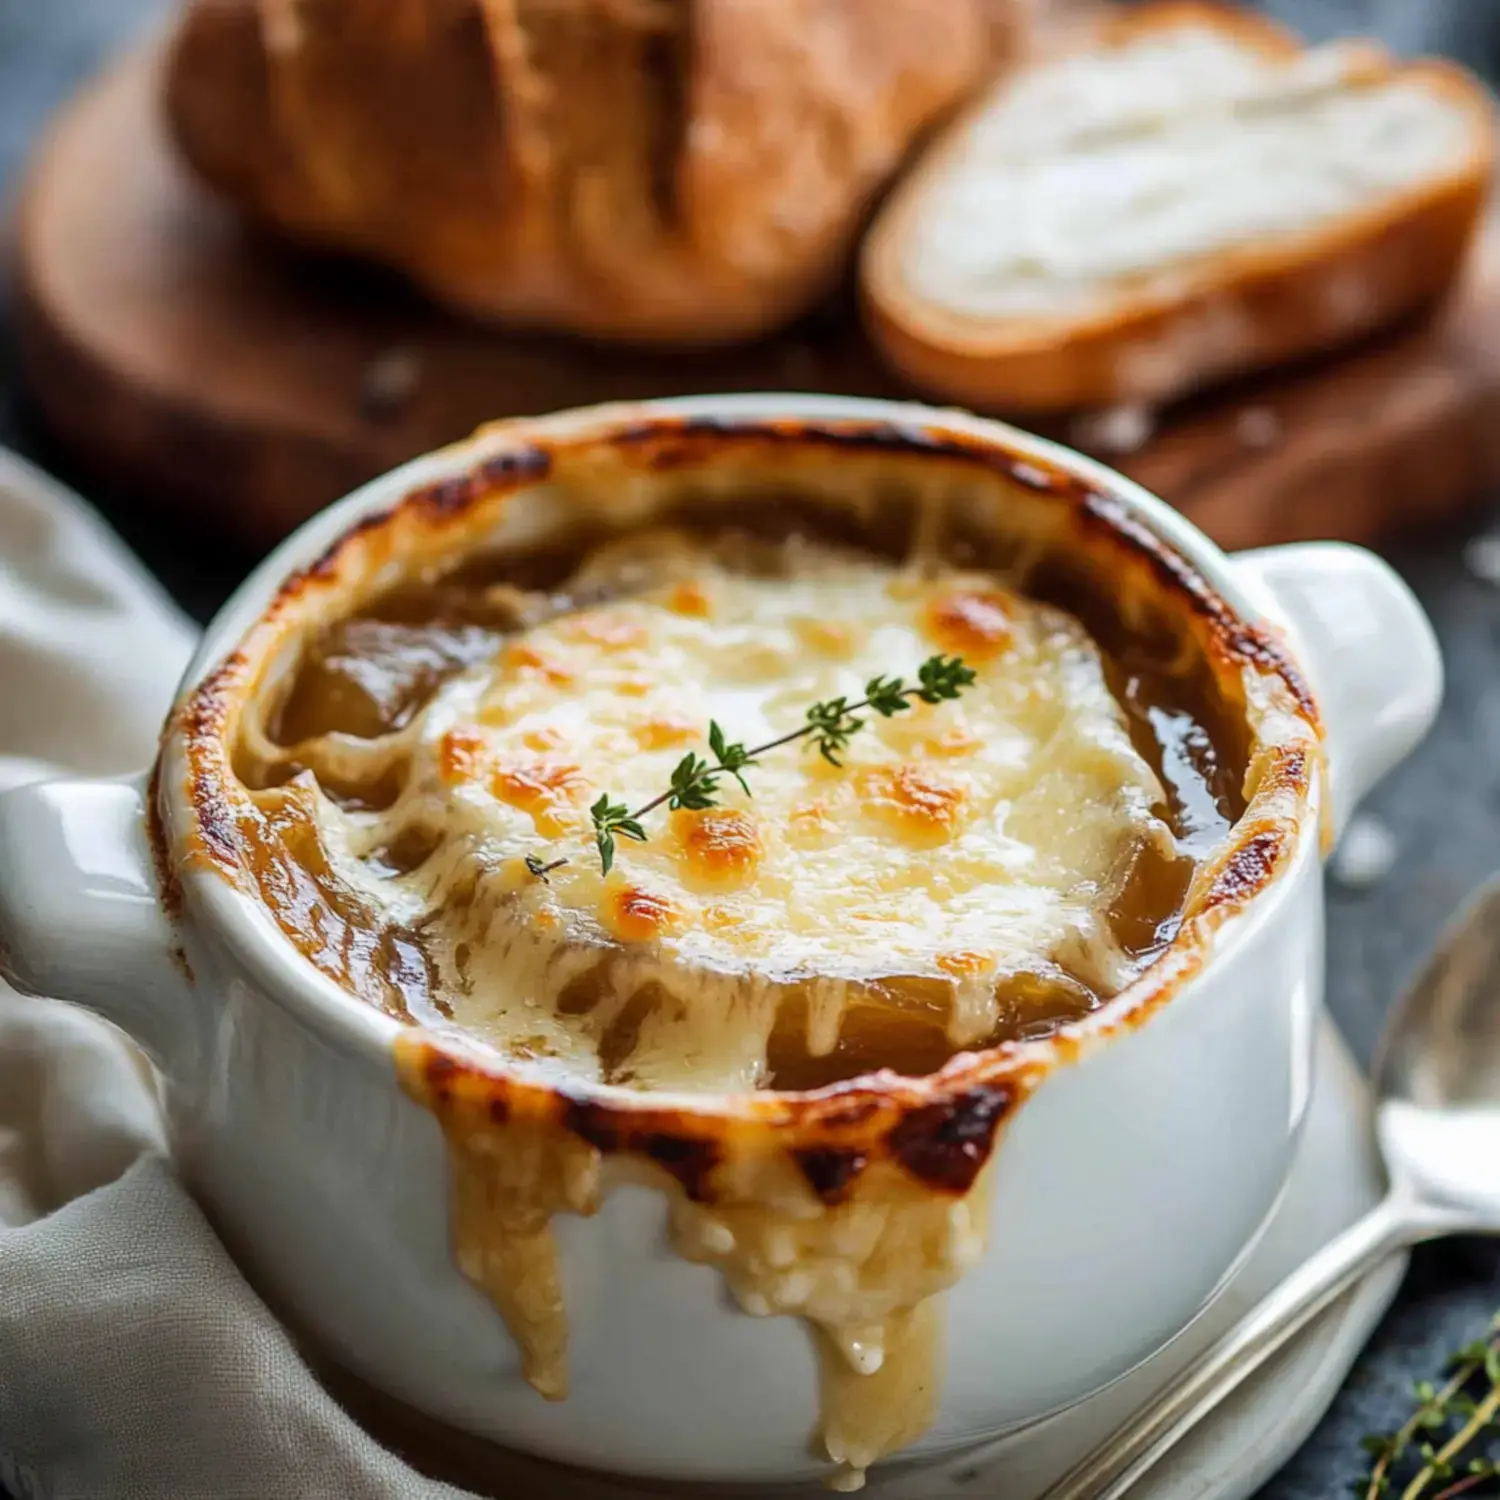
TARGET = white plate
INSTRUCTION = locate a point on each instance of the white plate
(1336, 1178)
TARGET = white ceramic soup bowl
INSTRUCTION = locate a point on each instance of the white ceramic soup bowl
(1134, 1179)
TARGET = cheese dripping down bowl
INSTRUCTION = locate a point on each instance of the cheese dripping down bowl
(880, 1107)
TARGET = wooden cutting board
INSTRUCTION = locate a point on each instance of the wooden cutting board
(185, 358)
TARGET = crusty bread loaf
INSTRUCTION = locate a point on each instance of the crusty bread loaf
(677, 170)
(1193, 196)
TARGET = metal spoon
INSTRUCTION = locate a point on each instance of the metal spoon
(1437, 1080)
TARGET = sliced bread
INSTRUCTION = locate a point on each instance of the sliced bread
(1193, 195)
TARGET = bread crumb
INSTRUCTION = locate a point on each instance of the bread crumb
(1366, 854)
(1116, 429)
(388, 382)
(1482, 558)
(799, 367)
(1351, 299)
(1257, 427)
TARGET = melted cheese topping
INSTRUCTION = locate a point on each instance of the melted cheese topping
(867, 1274)
(961, 853)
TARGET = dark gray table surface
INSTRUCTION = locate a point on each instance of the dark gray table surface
(1444, 805)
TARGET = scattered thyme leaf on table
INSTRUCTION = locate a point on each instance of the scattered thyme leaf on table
(1450, 1445)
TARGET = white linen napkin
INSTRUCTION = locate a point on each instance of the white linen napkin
(134, 1359)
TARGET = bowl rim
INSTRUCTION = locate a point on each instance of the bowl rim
(836, 1129)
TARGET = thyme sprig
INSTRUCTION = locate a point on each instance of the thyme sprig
(829, 726)
(1450, 1440)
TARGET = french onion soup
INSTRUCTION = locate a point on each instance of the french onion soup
(761, 830)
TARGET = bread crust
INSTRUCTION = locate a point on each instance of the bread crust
(1248, 308)
(656, 170)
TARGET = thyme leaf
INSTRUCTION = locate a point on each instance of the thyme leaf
(829, 727)
(1451, 1439)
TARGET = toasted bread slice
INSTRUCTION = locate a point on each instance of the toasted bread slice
(1192, 196)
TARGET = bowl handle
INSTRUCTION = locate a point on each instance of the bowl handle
(1368, 649)
(80, 918)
